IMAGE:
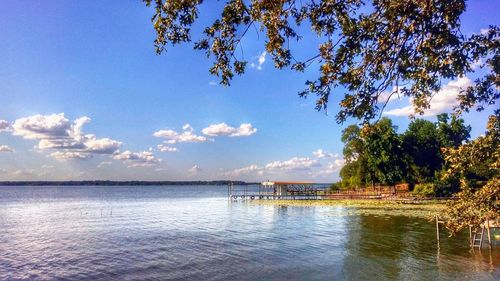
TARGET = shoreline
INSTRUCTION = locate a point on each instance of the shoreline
(423, 209)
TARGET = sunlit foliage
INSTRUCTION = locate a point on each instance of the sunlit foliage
(367, 47)
(477, 165)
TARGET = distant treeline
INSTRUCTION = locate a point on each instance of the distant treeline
(107, 182)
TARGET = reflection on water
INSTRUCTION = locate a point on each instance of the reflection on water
(192, 232)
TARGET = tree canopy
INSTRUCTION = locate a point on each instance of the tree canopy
(377, 154)
(422, 143)
(372, 155)
(368, 47)
(383, 151)
(422, 146)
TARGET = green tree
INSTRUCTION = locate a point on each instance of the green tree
(354, 173)
(373, 155)
(422, 144)
(421, 147)
(376, 153)
(353, 143)
(368, 47)
(454, 133)
(383, 152)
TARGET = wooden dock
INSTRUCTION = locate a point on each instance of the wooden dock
(310, 191)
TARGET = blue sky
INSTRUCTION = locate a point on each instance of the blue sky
(78, 72)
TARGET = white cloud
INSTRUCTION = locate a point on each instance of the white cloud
(164, 148)
(187, 127)
(42, 126)
(6, 148)
(442, 101)
(331, 168)
(245, 170)
(403, 111)
(104, 163)
(484, 31)
(195, 169)
(78, 125)
(87, 144)
(212, 83)
(296, 163)
(320, 153)
(101, 146)
(186, 135)
(339, 163)
(64, 155)
(260, 60)
(137, 159)
(23, 173)
(4, 125)
(222, 129)
(299, 168)
(55, 131)
(60, 144)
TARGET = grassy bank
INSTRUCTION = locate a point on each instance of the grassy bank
(424, 209)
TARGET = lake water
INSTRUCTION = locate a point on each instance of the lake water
(194, 233)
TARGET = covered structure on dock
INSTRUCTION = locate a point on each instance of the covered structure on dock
(293, 190)
(288, 188)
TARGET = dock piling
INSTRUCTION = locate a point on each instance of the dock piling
(437, 229)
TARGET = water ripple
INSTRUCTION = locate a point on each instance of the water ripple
(193, 233)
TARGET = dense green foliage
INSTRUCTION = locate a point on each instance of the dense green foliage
(377, 154)
(368, 47)
(382, 149)
(422, 144)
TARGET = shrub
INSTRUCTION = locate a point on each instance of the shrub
(424, 190)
